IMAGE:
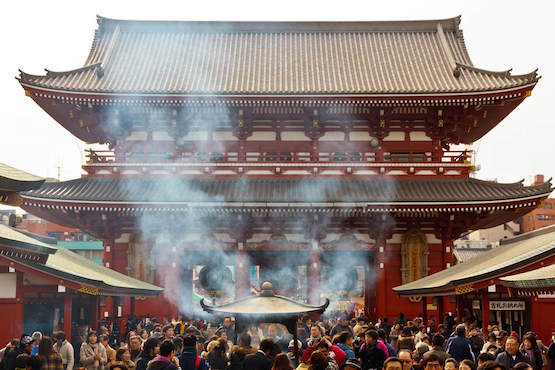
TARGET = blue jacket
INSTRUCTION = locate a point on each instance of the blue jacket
(461, 349)
(188, 358)
(348, 351)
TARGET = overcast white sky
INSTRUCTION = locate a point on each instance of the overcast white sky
(57, 35)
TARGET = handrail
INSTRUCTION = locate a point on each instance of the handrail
(109, 156)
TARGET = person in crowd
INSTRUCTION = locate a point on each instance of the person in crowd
(391, 352)
(65, 350)
(406, 340)
(291, 351)
(261, 359)
(371, 357)
(335, 356)
(491, 365)
(432, 362)
(34, 363)
(345, 342)
(318, 361)
(11, 344)
(228, 343)
(51, 360)
(315, 334)
(217, 358)
(451, 364)
(485, 357)
(228, 328)
(123, 356)
(493, 350)
(110, 352)
(166, 359)
(151, 349)
(532, 351)
(421, 349)
(92, 354)
(341, 326)
(189, 359)
(405, 356)
(393, 363)
(476, 341)
(281, 362)
(351, 364)
(24, 346)
(135, 347)
(37, 336)
(437, 349)
(522, 366)
(551, 352)
(178, 344)
(167, 332)
(421, 334)
(361, 321)
(511, 355)
(460, 347)
(394, 334)
(22, 361)
(492, 339)
(467, 365)
(240, 351)
(143, 334)
(501, 340)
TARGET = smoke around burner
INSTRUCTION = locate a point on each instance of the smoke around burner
(168, 232)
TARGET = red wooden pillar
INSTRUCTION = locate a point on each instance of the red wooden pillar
(485, 310)
(18, 316)
(381, 283)
(68, 308)
(95, 313)
(242, 272)
(314, 266)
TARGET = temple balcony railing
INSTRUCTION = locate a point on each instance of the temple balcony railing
(446, 163)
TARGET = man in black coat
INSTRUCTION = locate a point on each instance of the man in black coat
(460, 347)
(371, 356)
(511, 355)
(260, 360)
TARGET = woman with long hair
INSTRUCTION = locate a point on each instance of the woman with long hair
(531, 350)
(93, 354)
(51, 360)
(281, 362)
(123, 355)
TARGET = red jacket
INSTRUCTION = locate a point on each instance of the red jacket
(339, 355)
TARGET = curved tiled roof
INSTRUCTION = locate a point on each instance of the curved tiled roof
(268, 58)
(377, 190)
(511, 255)
(541, 278)
(13, 180)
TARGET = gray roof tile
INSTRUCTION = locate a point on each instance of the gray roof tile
(228, 58)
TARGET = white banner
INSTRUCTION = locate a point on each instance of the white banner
(507, 305)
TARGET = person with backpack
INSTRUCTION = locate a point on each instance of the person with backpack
(189, 359)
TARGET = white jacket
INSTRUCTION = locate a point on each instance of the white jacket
(66, 353)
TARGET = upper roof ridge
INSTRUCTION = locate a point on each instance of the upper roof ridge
(448, 24)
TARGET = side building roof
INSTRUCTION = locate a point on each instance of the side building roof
(511, 255)
(278, 58)
(62, 264)
(13, 180)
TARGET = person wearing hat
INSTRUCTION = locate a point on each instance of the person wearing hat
(351, 364)
(501, 340)
(291, 352)
(341, 326)
(37, 336)
(26, 344)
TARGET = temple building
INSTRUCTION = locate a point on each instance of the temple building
(320, 155)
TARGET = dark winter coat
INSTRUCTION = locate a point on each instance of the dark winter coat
(143, 361)
(188, 359)
(551, 356)
(160, 364)
(238, 355)
(371, 357)
(257, 361)
(461, 349)
(505, 359)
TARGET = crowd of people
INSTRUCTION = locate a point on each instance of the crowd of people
(332, 344)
